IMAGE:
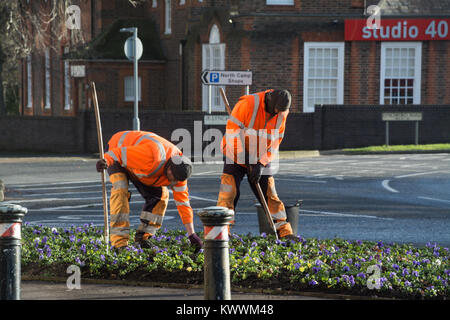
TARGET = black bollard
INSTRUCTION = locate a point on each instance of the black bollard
(10, 250)
(217, 263)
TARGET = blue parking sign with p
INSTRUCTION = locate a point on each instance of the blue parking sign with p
(214, 77)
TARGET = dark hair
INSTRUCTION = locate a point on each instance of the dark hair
(180, 166)
(281, 99)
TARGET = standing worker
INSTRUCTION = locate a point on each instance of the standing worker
(152, 164)
(254, 132)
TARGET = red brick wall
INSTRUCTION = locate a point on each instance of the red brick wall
(268, 40)
(109, 82)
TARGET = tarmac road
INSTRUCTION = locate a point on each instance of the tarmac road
(399, 198)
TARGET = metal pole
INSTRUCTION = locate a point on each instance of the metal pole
(247, 88)
(216, 267)
(136, 124)
(210, 99)
(417, 133)
(10, 250)
(387, 133)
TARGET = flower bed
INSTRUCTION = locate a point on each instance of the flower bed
(335, 265)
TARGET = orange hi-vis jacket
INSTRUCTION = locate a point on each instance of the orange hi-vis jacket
(249, 122)
(144, 155)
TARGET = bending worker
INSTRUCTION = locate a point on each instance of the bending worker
(254, 132)
(152, 164)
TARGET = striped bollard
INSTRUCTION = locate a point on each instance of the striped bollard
(10, 250)
(217, 263)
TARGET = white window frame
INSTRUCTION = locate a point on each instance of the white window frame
(212, 62)
(168, 17)
(47, 105)
(280, 2)
(29, 82)
(340, 46)
(129, 80)
(417, 67)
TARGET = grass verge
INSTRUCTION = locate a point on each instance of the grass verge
(445, 147)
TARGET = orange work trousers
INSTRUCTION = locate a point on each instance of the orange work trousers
(229, 195)
(152, 214)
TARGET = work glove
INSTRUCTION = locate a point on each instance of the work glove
(196, 242)
(255, 173)
(101, 165)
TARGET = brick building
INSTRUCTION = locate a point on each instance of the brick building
(321, 50)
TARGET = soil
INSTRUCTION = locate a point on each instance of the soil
(279, 285)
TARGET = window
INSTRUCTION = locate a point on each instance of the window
(29, 82)
(168, 17)
(182, 2)
(154, 3)
(213, 59)
(323, 81)
(400, 72)
(47, 79)
(129, 88)
(280, 2)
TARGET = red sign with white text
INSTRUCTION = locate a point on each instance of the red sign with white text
(397, 30)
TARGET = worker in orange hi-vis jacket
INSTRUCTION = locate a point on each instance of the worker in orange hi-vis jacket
(254, 132)
(152, 163)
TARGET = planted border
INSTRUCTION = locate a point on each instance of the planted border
(333, 265)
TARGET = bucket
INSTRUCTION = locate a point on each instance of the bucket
(292, 212)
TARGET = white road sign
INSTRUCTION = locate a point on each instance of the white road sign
(129, 48)
(227, 78)
(401, 116)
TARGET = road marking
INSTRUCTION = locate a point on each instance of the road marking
(385, 185)
(347, 215)
(51, 184)
(434, 199)
(296, 180)
(206, 173)
(59, 188)
(83, 217)
(416, 174)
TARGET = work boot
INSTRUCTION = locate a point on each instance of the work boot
(143, 243)
(290, 237)
(119, 250)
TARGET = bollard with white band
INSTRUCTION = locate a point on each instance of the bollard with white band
(217, 263)
(10, 250)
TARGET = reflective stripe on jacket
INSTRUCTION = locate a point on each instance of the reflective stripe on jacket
(249, 128)
(144, 155)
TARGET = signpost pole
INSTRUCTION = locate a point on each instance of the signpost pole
(136, 124)
(209, 99)
(133, 51)
(247, 87)
(417, 133)
(387, 133)
(402, 116)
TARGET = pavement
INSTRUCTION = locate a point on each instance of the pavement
(58, 290)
